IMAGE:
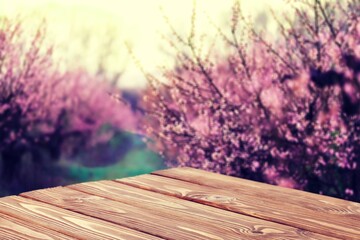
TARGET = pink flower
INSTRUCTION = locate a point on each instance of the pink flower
(286, 182)
(349, 191)
(290, 105)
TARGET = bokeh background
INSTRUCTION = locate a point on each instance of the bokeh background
(96, 36)
(101, 50)
(90, 32)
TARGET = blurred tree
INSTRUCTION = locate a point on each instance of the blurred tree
(284, 111)
(46, 114)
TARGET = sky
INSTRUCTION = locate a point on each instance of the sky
(85, 30)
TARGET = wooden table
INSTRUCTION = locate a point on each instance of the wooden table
(179, 203)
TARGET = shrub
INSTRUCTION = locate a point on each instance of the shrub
(46, 114)
(283, 111)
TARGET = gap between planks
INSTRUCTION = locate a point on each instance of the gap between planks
(210, 179)
(167, 209)
(344, 223)
(196, 180)
(66, 222)
(12, 228)
(164, 223)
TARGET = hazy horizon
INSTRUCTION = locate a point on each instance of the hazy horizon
(138, 23)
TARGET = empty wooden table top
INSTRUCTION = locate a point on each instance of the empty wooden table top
(179, 203)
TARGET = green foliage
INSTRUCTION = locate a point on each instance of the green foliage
(133, 159)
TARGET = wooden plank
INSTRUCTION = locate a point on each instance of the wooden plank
(14, 229)
(246, 202)
(247, 227)
(160, 221)
(66, 222)
(313, 201)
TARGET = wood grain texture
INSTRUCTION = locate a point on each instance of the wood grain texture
(163, 222)
(64, 221)
(246, 227)
(254, 203)
(176, 204)
(316, 202)
(14, 229)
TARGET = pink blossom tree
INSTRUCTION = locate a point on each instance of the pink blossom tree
(46, 114)
(284, 111)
